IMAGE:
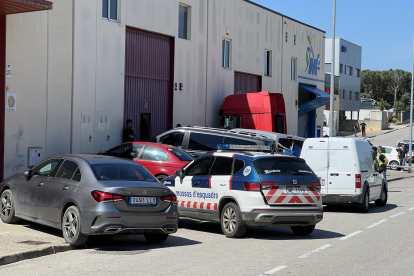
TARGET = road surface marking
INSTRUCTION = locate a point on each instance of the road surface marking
(270, 272)
(315, 251)
(396, 215)
(350, 235)
(411, 209)
(377, 223)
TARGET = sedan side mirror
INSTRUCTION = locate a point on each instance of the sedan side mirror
(27, 174)
(179, 173)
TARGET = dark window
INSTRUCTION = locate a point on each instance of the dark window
(183, 22)
(232, 121)
(282, 166)
(267, 63)
(238, 165)
(204, 142)
(77, 175)
(279, 124)
(225, 59)
(222, 166)
(46, 168)
(173, 139)
(200, 167)
(110, 9)
(123, 151)
(113, 10)
(67, 169)
(235, 141)
(154, 154)
(123, 172)
(105, 8)
(183, 156)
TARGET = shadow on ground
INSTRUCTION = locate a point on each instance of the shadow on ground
(260, 233)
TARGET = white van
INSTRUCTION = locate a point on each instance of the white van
(348, 171)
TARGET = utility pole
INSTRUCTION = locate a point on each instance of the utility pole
(332, 92)
(410, 145)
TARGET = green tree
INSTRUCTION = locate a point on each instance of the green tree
(382, 105)
(398, 83)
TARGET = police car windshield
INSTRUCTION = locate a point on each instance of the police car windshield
(181, 154)
(282, 166)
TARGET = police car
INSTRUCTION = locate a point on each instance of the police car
(239, 188)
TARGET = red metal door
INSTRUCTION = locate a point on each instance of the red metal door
(149, 61)
(247, 82)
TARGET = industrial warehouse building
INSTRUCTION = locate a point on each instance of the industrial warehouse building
(76, 70)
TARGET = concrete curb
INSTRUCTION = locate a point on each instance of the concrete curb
(400, 178)
(31, 254)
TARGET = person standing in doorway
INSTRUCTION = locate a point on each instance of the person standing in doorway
(356, 128)
(403, 156)
(363, 126)
(129, 132)
(383, 162)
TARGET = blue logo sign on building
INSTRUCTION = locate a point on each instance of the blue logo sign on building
(312, 63)
(343, 49)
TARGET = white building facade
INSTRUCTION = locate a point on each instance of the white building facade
(348, 58)
(82, 68)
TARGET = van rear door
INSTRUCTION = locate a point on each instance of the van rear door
(315, 153)
(342, 167)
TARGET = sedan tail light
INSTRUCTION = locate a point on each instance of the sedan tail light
(106, 197)
(251, 186)
(169, 198)
(316, 185)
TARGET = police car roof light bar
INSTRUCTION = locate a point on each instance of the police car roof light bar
(244, 147)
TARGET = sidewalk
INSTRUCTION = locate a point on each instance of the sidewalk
(27, 240)
(372, 134)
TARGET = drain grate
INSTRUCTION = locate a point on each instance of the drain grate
(34, 242)
(116, 251)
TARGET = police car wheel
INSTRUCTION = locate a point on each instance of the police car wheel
(155, 238)
(303, 230)
(232, 223)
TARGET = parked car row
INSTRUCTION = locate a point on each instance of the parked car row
(241, 178)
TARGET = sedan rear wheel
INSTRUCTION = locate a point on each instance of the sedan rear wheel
(71, 227)
(155, 238)
(7, 208)
(232, 223)
(393, 165)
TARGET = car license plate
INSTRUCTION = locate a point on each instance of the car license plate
(143, 200)
(295, 191)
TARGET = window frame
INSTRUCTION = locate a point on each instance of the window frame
(351, 70)
(286, 36)
(78, 168)
(188, 21)
(226, 42)
(350, 95)
(267, 63)
(294, 39)
(109, 11)
(42, 164)
(210, 165)
(343, 94)
(341, 68)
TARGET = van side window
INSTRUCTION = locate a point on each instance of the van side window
(222, 166)
(204, 142)
(235, 141)
(173, 139)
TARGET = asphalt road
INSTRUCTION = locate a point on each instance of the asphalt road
(344, 243)
(391, 139)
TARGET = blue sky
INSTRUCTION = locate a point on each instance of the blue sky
(384, 28)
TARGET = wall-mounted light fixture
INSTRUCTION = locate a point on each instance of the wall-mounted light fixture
(227, 30)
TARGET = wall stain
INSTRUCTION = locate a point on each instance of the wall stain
(18, 161)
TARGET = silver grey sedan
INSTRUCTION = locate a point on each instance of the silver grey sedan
(91, 195)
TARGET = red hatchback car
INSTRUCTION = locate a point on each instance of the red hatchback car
(159, 159)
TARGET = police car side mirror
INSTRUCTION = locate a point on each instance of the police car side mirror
(180, 173)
